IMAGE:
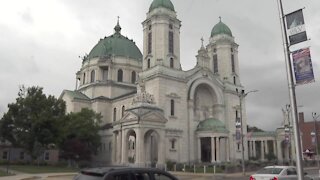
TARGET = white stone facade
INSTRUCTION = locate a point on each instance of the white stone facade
(164, 113)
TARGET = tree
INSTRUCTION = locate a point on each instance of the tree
(254, 129)
(81, 139)
(33, 120)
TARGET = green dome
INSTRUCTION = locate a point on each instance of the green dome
(161, 3)
(221, 28)
(117, 45)
(211, 125)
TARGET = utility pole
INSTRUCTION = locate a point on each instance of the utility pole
(241, 96)
(315, 117)
(292, 96)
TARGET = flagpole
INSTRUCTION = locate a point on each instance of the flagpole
(292, 96)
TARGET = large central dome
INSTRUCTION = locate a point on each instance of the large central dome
(161, 3)
(116, 45)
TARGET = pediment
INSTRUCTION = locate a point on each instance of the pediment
(154, 117)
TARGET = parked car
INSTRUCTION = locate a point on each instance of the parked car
(123, 173)
(277, 173)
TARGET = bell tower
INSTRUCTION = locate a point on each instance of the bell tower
(161, 36)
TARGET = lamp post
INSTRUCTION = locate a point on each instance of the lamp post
(241, 96)
(315, 117)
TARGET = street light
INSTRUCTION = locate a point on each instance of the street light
(315, 117)
(241, 96)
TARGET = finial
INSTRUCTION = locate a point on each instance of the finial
(201, 41)
(117, 28)
(220, 18)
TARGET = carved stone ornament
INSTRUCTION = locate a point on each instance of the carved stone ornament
(142, 96)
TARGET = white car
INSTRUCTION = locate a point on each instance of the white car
(277, 173)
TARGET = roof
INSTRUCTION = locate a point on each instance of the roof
(116, 45)
(212, 124)
(76, 95)
(263, 134)
(161, 3)
(220, 28)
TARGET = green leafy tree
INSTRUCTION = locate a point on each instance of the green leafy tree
(81, 139)
(33, 121)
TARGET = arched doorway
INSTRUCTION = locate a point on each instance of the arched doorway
(131, 141)
(204, 100)
(151, 146)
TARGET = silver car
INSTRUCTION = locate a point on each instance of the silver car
(277, 173)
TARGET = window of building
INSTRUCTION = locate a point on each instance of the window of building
(46, 156)
(114, 114)
(105, 73)
(172, 107)
(93, 76)
(171, 63)
(234, 80)
(232, 63)
(148, 62)
(5, 155)
(214, 50)
(120, 75)
(21, 156)
(150, 27)
(133, 77)
(84, 78)
(173, 144)
(231, 49)
(171, 42)
(122, 112)
(149, 42)
(170, 26)
(110, 146)
(215, 63)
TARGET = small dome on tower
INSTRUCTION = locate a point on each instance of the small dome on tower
(161, 3)
(221, 28)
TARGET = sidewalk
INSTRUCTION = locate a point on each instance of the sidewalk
(35, 176)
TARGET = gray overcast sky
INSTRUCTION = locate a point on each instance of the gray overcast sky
(41, 41)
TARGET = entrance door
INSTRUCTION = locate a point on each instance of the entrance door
(206, 149)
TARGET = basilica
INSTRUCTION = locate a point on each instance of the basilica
(153, 111)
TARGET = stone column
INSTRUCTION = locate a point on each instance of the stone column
(199, 149)
(262, 150)
(266, 147)
(139, 148)
(274, 148)
(213, 159)
(161, 150)
(124, 148)
(114, 148)
(254, 149)
(279, 151)
(228, 149)
(218, 149)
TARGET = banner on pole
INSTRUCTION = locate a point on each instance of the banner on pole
(302, 66)
(295, 27)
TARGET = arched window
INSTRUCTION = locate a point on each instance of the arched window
(171, 42)
(215, 63)
(122, 112)
(133, 77)
(148, 62)
(120, 75)
(114, 114)
(171, 63)
(234, 80)
(232, 63)
(84, 78)
(172, 107)
(149, 41)
(93, 76)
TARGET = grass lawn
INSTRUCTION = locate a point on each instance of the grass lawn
(4, 173)
(41, 169)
